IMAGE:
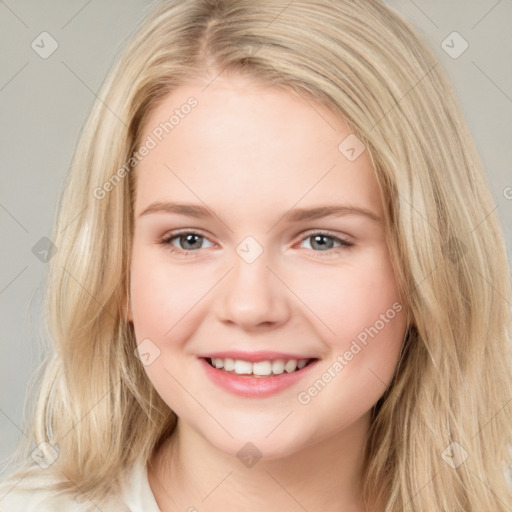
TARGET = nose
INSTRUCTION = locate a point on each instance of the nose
(252, 296)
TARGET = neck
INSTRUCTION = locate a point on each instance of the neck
(189, 473)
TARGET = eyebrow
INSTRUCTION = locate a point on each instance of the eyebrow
(295, 215)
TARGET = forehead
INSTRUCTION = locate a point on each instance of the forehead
(244, 140)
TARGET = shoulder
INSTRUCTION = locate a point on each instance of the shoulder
(32, 495)
(37, 500)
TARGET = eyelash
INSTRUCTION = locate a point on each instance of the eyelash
(344, 244)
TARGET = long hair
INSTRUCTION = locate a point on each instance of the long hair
(440, 435)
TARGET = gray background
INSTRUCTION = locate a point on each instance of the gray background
(44, 104)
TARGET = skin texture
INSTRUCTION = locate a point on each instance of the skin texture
(250, 153)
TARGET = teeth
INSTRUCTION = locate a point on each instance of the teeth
(229, 365)
(290, 365)
(243, 367)
(278, 366)
(262, 368)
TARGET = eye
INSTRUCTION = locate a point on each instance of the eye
(188, 242)
(191, 241)
(325, 241)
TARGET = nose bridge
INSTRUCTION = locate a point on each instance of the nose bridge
(251, 294)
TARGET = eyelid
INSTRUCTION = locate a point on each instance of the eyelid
(173, 234)
(344, 243)
(307, 234)
(329, 233)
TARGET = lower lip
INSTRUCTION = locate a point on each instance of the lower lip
(249, 386)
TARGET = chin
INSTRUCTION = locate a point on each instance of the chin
(260, 444)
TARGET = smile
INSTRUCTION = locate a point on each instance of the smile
(242, 378)
(259, 368)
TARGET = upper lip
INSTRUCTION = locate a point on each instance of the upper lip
(254, 357)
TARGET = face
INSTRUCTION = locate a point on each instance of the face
(252, 272)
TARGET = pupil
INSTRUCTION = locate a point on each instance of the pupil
(322, 245)
(188, 239)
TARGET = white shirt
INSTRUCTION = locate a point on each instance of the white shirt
(136, 496)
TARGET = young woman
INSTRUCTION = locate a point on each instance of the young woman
(278, 285)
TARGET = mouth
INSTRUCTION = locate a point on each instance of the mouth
(259, 369)
(267, 374)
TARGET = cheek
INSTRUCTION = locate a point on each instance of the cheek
(160, 294)
(352, 299)
(151, 301)
(367, 324)
(159, 303)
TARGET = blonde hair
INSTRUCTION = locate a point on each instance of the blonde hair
(363, 61)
